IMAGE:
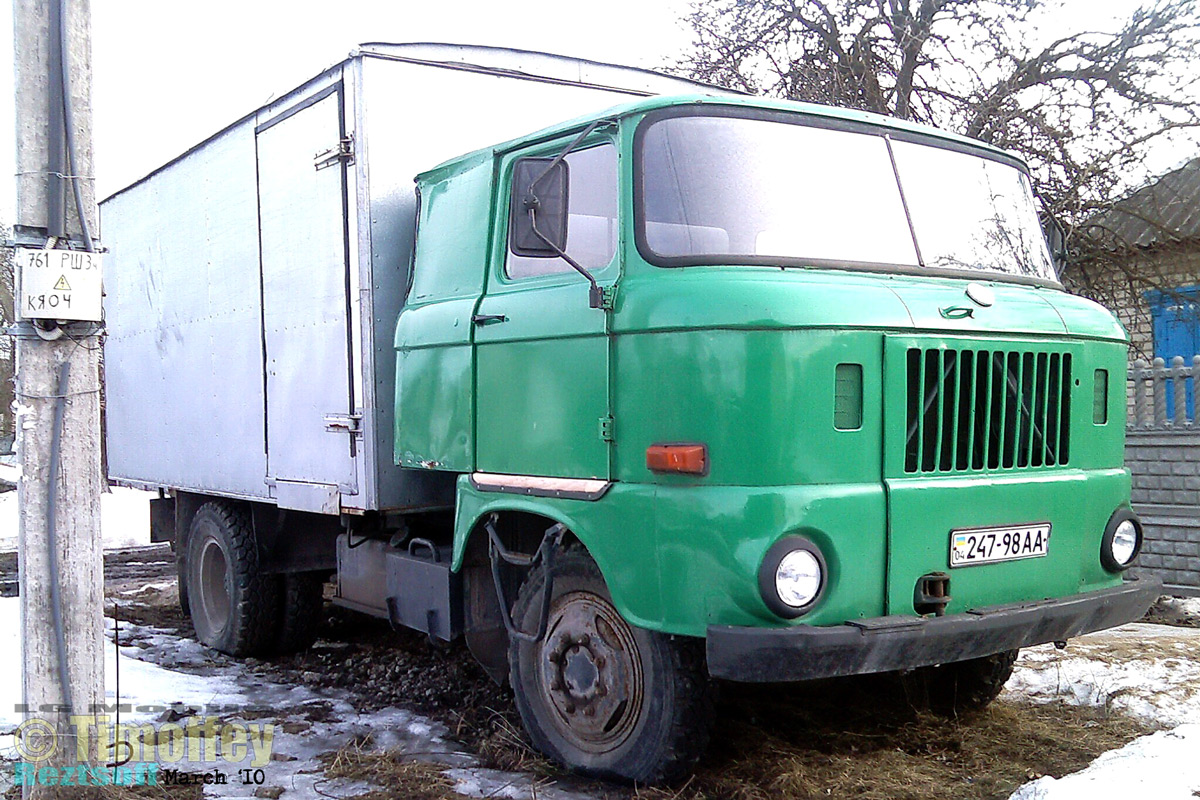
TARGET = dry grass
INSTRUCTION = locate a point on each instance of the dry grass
(395, 775)
(1123, 650)
(502, 744)
(190, 792)
(836, 741)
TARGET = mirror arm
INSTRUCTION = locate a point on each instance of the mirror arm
(595, 293)
(558, 159)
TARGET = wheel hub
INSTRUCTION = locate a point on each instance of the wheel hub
(215, 603)
(591, 673)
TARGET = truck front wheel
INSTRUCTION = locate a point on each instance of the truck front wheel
(962, 687)
(599, 695)
(234, 607)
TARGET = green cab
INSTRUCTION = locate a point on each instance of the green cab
(757, 391)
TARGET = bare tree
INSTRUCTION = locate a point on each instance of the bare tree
(1083, 108)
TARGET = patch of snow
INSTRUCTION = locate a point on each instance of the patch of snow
(149, 687)
(489, 783)
(164, 677)
(1183, 606)
(1162, 766)
(149, 588)
(1148, 671)
(124, 516)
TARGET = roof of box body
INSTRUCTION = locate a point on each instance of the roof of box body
(508, 62)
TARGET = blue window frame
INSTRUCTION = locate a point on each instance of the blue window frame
(1176, 316)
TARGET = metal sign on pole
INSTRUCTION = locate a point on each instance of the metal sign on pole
(58, 394)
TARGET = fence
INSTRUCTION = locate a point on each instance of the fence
(1161, 397)
(1162, 452)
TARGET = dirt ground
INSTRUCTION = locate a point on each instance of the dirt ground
(857, 738)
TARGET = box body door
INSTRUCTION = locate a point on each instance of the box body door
(306, 286)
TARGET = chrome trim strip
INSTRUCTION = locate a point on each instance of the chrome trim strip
(538, 486)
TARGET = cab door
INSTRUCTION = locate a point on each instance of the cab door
(542, 354)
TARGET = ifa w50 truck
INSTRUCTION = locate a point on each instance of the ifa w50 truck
(686, 387)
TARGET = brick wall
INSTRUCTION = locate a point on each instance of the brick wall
(1166, 494)
(1160, 268)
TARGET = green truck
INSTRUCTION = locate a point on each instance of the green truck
(695, 388)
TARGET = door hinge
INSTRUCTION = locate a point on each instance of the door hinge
(607, 297)
(342, 152)
(343, 423)
(606, 429)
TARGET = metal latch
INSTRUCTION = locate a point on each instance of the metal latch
(343, 423)
(344, 151)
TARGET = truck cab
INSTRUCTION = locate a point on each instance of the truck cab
(793, 392)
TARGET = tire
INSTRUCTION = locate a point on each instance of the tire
(300, 617)
(234, 608)
(181, 581)
(600, 696)
(961, 688)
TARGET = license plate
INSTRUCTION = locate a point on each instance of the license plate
(970, 546)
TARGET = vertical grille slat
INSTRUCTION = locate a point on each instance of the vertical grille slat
(1037, 457)
(1027, 405)
(965, 425)
(1011, 378)
(980, 410)
(939, 386)
(1064, 430)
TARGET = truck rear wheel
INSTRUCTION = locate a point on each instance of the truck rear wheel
(303, 598)
(181, 582)
(234, 608)
(599, 695)
(962, 687)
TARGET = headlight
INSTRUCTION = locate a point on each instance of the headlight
(798, 578)
(792, 576)
(1122, 540)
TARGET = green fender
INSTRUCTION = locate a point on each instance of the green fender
(607, 529)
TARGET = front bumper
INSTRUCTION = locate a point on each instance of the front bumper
(883, 644)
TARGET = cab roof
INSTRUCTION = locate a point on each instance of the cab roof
(647, 104)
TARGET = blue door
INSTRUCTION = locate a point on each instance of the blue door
(1176, 318)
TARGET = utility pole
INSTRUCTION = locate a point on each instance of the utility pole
(58, 384)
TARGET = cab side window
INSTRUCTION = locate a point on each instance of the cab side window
(591, 216)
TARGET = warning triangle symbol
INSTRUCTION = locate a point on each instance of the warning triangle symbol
(62, 285)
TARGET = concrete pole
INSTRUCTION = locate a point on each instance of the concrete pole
(76, 490)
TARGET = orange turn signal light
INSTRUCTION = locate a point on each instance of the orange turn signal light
(688, 459)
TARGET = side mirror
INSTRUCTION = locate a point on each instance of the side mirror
(1056, 239)
(539, 185)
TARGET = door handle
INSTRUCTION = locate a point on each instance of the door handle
(488, 319)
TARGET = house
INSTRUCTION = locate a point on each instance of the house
(1142, 259)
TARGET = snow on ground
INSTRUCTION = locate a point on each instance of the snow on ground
(1148, 671)
(1161, 766)
(1183, 607)
(124, 515)
(167, 679)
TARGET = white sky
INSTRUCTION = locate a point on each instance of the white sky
(168, 74)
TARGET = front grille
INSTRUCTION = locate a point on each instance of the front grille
(983, 409)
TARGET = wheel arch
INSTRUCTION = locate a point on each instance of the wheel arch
(633, 582)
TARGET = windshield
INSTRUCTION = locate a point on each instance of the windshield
(741, 190)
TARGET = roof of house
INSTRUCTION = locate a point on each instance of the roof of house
(1164, 212)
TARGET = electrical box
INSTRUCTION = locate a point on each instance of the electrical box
(58, 284)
